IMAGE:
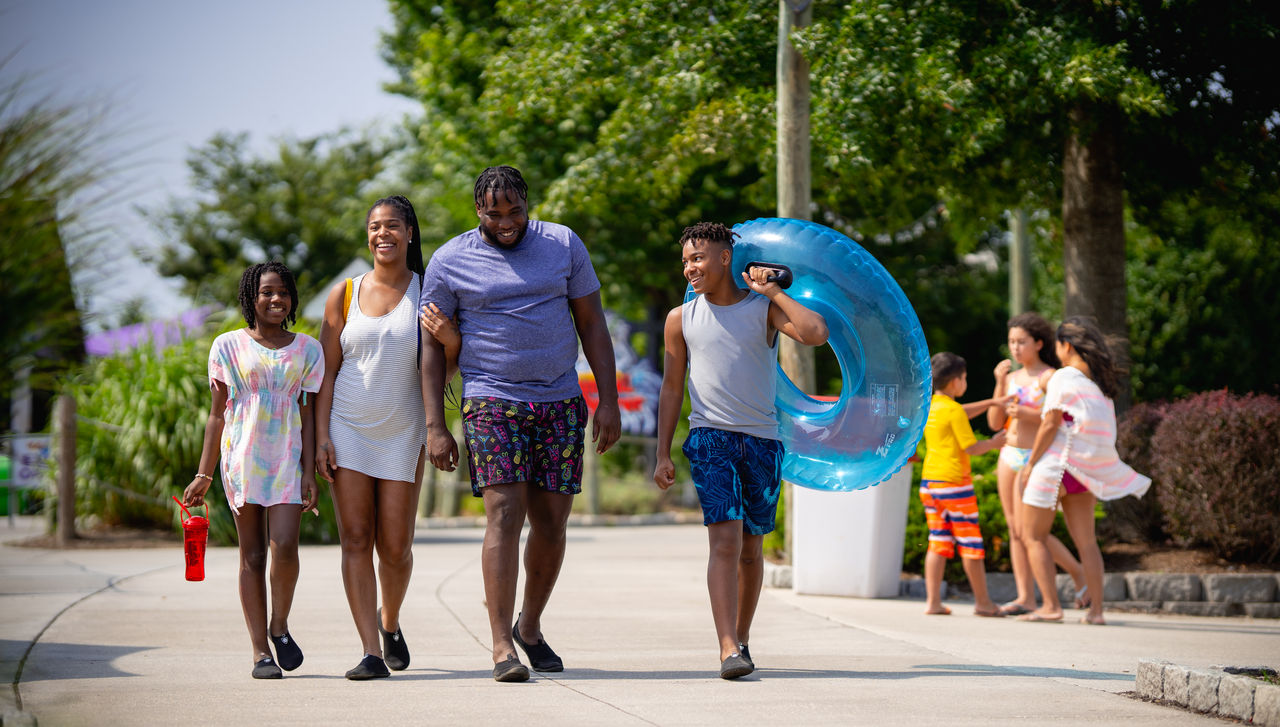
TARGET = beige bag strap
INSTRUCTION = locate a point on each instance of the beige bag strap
(346, 301)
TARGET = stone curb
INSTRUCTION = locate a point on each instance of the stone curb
(1167, 593)
(14, 717)
(1223, 691)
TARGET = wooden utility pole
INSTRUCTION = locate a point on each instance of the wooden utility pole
(1019, 263)
(794, 181)
(65, 410)
(794, 171)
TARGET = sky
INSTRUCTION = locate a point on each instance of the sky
(171, 74)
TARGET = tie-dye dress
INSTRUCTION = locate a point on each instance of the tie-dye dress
(262, 437)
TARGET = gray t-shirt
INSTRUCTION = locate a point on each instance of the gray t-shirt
(518, 338)
(733, 362)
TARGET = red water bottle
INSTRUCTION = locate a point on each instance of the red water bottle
(195, 534)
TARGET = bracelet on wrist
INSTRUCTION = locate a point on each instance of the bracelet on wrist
(200, 475)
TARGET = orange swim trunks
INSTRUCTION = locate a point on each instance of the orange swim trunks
(951, 511)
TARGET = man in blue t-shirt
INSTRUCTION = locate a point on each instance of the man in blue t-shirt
(519, 290)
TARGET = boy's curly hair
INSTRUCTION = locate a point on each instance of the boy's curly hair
(709, 231)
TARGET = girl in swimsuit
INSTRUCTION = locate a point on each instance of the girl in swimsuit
(1031, 346)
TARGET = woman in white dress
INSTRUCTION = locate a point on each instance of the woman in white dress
(370, 429)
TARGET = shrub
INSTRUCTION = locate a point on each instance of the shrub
(138, 442)
(1132, 519)
(1217, 457)
(142, 417)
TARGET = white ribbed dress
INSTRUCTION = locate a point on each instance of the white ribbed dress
(377, 424)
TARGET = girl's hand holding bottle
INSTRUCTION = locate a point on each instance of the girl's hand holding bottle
(193, 496)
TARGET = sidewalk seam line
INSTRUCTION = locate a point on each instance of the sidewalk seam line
(22, 662)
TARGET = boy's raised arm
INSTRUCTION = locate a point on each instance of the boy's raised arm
(786, 315)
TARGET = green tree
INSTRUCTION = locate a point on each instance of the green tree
(303, 205)
(1202, 299)
(630, 118)
(48, 169)
(992, 105)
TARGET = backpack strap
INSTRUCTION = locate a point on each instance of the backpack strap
(346, 301)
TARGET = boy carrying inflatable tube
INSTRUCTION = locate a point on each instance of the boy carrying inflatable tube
(726, 338)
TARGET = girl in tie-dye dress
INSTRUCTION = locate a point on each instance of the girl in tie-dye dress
(260, 425)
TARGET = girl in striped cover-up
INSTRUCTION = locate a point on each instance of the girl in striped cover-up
(1075, 453)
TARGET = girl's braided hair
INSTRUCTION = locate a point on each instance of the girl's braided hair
(249, 283)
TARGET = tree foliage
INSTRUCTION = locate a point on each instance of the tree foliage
(634, 118)
(304, 205)
(629, 118)
(47, 171)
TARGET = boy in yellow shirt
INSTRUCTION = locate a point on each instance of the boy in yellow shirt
(946, 486)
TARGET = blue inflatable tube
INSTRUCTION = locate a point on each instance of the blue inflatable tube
(871, 430)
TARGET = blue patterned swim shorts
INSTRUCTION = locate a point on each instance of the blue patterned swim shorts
(738, 476)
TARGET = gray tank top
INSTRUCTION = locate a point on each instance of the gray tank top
(732, 365)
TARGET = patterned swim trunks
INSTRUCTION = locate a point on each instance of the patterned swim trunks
(738, 476)
(513, 441)
(951, 511)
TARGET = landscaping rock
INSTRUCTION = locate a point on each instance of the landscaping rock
(1239, 587)
(1164, 586)
(1262, 610)
(1114, 587)
(1202, 689)
(1134, 606)
(1176, 684)
(1266, 704)
(1002, 587)
(777, 576)
(1150, 678)
(1066, 590)
(914, 588)
(1235, 697)
(1202, 608)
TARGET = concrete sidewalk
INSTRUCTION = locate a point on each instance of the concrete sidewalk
(117, 637)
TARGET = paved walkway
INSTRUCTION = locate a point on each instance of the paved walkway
(115, 637)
